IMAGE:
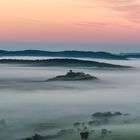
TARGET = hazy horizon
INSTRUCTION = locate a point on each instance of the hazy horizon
(99, 25)
(112, 48)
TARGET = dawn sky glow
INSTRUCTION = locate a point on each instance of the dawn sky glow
(94, 21)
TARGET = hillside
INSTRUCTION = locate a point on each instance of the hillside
(81, 54)
(131, 55)
(73, 76)
(62, 63)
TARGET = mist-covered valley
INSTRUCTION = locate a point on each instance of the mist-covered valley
(29, 105)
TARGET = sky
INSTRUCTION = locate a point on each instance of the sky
(70, 24)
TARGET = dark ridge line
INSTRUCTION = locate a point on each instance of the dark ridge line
(73, 53)
(62, 62)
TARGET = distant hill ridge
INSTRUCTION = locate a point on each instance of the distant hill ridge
(62, 63)
(82, 54)
(131, 55)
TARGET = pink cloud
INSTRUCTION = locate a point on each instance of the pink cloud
(127, 9)
(130, 9)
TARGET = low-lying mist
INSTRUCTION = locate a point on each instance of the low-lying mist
(28, 105)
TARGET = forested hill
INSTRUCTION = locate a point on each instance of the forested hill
(61, 63)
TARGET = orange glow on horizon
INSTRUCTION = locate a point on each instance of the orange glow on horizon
(91, 20)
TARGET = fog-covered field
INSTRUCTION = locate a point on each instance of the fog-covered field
(29, 106)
